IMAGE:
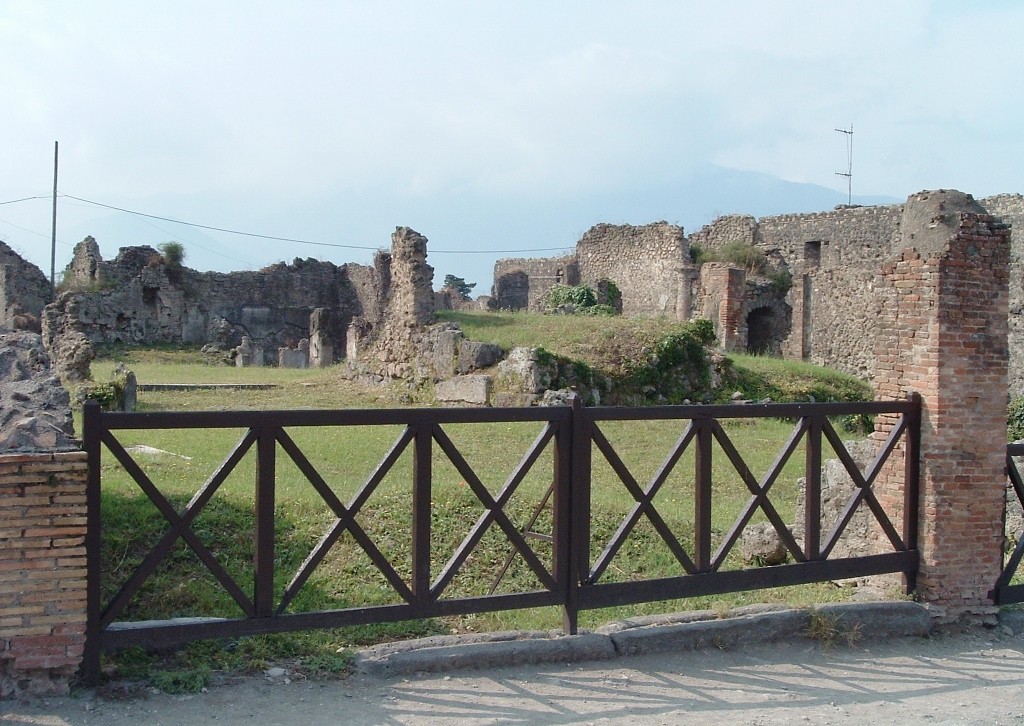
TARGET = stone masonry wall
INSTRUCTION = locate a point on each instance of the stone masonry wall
(840, 252)
(730, 228)
(1010, 209)
(522, 283)
(850, 237)
(24, 290)
(649, 264)
(410, 305)
(137, 299)
(843, 311)
(42, 571)
(943, 334)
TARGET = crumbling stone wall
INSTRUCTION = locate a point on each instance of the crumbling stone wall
(729, 228)
(833, 258)
(24, 292)
(137, 299)
(650, 264)
(1010, 209)
(521, 284)
(849, 237)
(410, 304)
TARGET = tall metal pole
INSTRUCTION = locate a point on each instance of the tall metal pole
(849, 163)
(53, 228)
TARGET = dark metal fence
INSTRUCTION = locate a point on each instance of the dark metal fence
(1005, 593)
(575, 436)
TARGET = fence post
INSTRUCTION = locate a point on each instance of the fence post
(702, 496)
(266, 451)
(912, 484)
(572, 506)
(422, 475)
(812, 490)
(92, 433)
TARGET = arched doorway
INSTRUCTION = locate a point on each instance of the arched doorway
(762, 333)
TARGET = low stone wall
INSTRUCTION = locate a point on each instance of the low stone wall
(42, 571)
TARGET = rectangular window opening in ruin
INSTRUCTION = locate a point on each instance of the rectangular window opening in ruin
(812, 253)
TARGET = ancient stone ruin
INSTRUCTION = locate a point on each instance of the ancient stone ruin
(35, 410)
(140, 299)
(819, 302)
(24, 292)
(816, 297)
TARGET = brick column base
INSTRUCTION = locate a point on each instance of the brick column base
(943, 334)
(42, 571)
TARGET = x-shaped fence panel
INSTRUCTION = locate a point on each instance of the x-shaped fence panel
(701, 567)
(571, 437)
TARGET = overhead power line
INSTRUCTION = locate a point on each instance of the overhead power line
(25, 199)
(292, 239)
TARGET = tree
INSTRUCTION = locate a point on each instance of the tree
(459, 285)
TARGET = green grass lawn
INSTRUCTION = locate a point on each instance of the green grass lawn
(345, 457)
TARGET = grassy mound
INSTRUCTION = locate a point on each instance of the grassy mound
(630, 352)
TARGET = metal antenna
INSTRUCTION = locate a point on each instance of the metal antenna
(849, 163)
(53, 227)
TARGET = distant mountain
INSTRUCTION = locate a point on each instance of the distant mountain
(467, 231)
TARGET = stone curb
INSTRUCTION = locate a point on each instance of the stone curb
(739, 628)
(527, 650)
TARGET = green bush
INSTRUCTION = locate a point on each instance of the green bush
(583, 299)
(745, 255)
(579, 296)
(740, 254)
(173, 254)
(782, 280)
(1015, 419)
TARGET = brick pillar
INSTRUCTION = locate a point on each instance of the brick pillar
(724, 298)
(42, 571)
(943, 334)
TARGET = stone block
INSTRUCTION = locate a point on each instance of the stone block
(444, 352)
(474, 355)
(475, 390)
(292, 358)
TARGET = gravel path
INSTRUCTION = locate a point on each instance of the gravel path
(967, 676)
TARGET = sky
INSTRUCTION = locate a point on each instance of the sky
(495, 129)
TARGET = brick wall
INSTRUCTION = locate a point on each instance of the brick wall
(721, 299)
(42, 571)
(942, 332)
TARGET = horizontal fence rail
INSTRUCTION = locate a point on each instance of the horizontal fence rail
(573, 438)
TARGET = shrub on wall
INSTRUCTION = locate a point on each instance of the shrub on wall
(741, 254)
(173, 254)
(575, 300)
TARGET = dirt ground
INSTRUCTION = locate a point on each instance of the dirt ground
(964, 676)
